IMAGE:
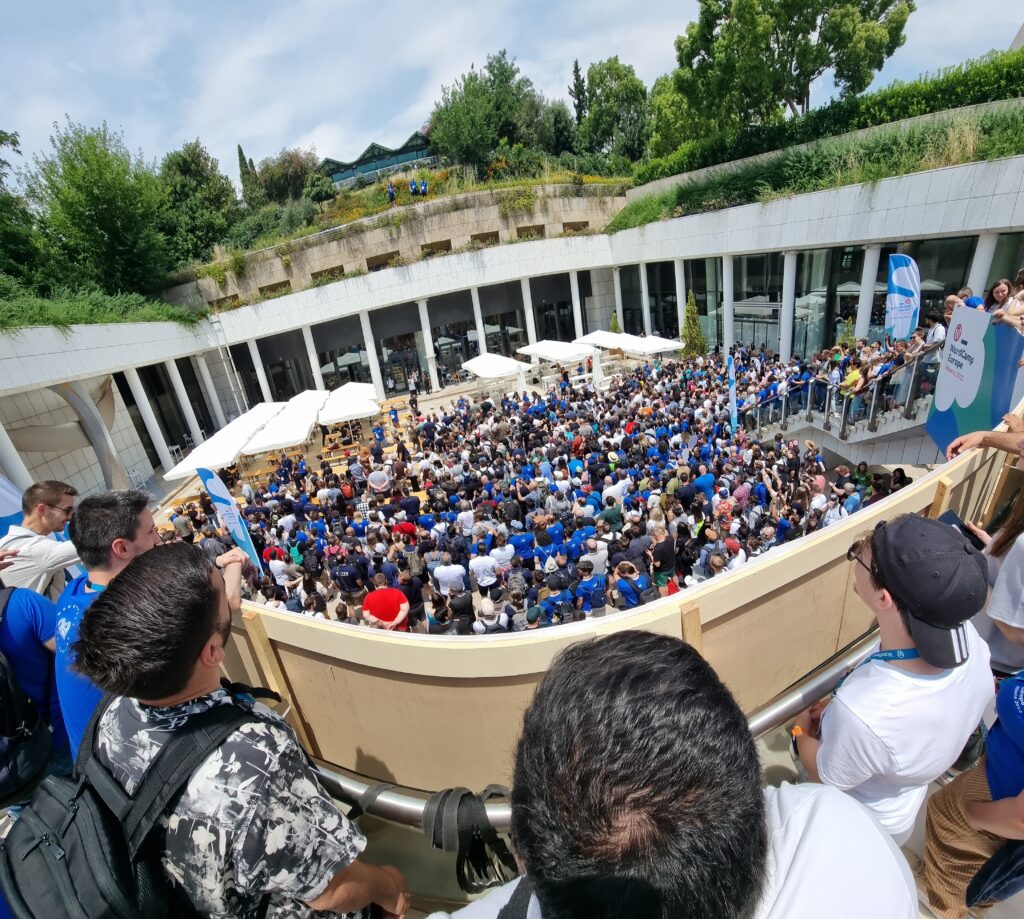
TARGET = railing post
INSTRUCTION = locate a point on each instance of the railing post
(909, 411)
(873, 411)
(785, 411)
(827, 423)
(844, 418)
(760, 411)
(811, 395)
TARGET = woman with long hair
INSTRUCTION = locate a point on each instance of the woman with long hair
(999, 296)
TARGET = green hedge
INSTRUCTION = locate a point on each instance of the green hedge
(949, 141)
(988, 79)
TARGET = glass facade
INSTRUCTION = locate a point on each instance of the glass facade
(398, 337)
(757, 293)
(341, 352)
(661, 289)
(704, 277)
(243, 364)
(632, 311)
(453, 330)
(552, 308)
(1007, 261)
(504, 320)
(286, 364)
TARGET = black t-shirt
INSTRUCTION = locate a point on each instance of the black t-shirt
(413, 592)
(461, 608)
(664, 555)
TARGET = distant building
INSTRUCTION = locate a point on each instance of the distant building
(1018, 42)
(377, 158)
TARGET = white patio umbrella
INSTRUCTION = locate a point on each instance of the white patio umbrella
(291, 426)
(225, 446)
(497, 366)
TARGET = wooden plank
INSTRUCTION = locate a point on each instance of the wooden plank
(276, 679)
(692, 631)
(943, 494)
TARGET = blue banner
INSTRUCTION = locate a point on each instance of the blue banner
(227, 511)
(903, 299)
(10, 505)
(733, 414)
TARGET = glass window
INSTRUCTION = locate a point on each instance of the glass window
(250, 382)
(632, 311)
(943, 263)
(341, 352)
(398, 336)
(758, 297)
(1007, 261)
(661, 288)
(195, 394)
(504, 320)
(164, 403)
(286, 364)
(453, 330)
(704, 278)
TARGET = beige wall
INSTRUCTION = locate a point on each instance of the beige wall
(432, 712)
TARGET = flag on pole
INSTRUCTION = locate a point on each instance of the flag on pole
(227, 510)
(733, 414)
(903, 300)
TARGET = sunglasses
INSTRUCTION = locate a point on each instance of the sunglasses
(66, 511)
(853, 555)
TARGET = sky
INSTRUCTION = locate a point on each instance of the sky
(337, 75)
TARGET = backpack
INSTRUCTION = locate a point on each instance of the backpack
(517, 581)
(598, 598)
(24, 735)
(647, 594)
(83, 847)
(415, 562)
(311, 563)
(293, 604)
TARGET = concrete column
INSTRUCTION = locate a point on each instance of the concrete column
(577, 307)
(680, 274)
(618, 299)
(184, 401)
(478, 319)
(428, 345)
(981, 265)
(261, 373)
(13, 465)
(868, 275)
(788, 306)
(728, 295)
(371, 354)
(211, 391)
(531, 325)
(314, 361)
(78, 397)
(645, 298)
(148, 418)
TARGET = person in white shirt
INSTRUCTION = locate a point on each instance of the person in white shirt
(41, 560)
(484, 570)
(666, 815)
(447, 574)
(902, 718)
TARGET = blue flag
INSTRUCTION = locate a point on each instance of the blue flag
(733, 415)
(227, 510)
(903, 300)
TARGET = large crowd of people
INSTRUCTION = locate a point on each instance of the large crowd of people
(516, 513)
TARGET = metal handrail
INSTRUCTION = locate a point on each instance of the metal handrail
(405, 806)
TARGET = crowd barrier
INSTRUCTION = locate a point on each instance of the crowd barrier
(431, 712)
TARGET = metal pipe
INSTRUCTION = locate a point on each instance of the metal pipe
(873, 411)
(405, 806)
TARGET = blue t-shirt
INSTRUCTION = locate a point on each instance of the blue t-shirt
(706, 484)
(1004, 746)
(78, 696)
(27, 625)
(629, 593)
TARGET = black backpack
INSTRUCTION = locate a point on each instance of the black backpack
(83, 848)
(311, 563)
(24, 734)
(645, 594)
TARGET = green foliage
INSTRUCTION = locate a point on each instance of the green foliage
(988, 79)
(9, 140)
(578, 92)
(319, 188)
(616, 118)
(18, 251)
(215, 271)
(201, 202)
(236, 262)
(515, 162)
(461, 125)
(21, 308)
(847, 338)
(252, 191)
(556, 130)
(100, 212)
(744, 61)
(254, 226)
(671, 121)
(515, 201)
(944, 142)
(284, 176)
(295, 214)
(613, 324)
(694, 343)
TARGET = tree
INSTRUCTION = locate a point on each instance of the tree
(318, 188)
(613, 324)
(461, 125)
(252, 191)
(694, 342)
(556, 131)
(616, 119)
(749, 60)
(284, 176)
(18, 252)
(578, 92)
(512, 98)
(99, 210)
(671, 122)
(201, 202)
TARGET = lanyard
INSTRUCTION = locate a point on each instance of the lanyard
(897, 654)
(95, 588)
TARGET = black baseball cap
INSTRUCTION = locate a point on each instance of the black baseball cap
(937, 578)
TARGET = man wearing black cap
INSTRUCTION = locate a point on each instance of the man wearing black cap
(902, 717)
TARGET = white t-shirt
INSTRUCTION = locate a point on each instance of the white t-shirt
(827, 857)
(484, 569)
(40, 562)
(889, 733)
(1006, 604)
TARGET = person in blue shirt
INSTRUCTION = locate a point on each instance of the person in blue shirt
(630, 584)
(558, 600)
(414, 189)
(423, 188)
(705, 482)
(520, 541)
(27, 640)
(591, 589)
(108, 530)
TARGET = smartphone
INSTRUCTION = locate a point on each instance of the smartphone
(953, 520)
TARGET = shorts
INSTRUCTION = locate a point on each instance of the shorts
(662, 578)
(353, 598)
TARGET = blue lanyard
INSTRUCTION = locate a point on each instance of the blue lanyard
(897, 654)
(96, 588)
